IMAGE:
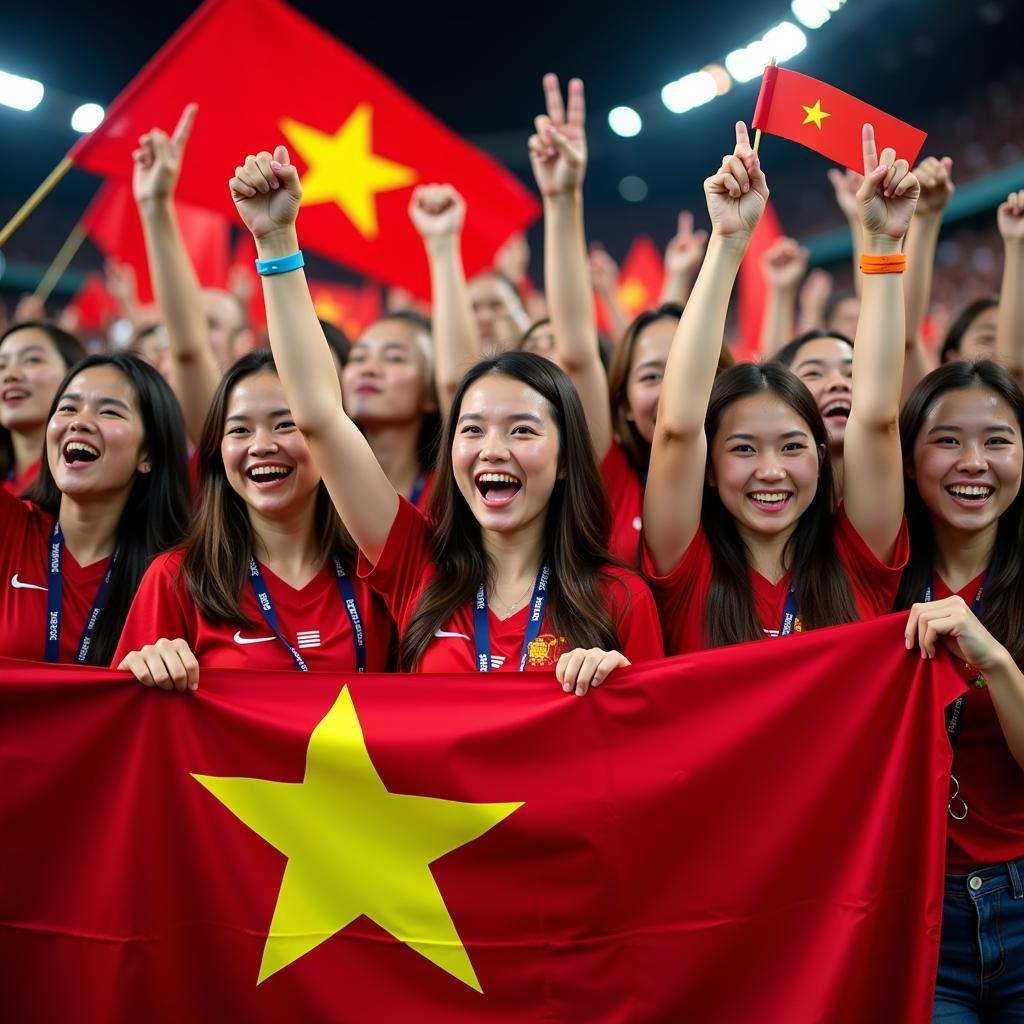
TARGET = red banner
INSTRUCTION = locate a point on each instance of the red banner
(752, 834)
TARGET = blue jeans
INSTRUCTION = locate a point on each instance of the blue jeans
(981, 962)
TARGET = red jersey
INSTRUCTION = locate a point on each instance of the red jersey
(312, 619)
(991, 781)
(24, 570)
(17, 482)
(405, 567)
(682, 594)
(625, 492)
(425, 490)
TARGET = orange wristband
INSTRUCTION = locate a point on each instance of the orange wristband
(894, 264)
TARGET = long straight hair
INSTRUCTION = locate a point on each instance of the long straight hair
(822, 588)
(1002, 604)
(575, 529)
(218, 548)
(156, 514)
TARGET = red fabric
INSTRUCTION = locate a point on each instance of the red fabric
(626, 499)
(164, 608)
(17, 482)
(753, 834)
(405, 567)
(320, 83)
(428, 489)
(24, 569)
(991, 781)
(94, 306)
(112, 220)
(753, 291)
(781, 110)
(351, 307)
(682, 594)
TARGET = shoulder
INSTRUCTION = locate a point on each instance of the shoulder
(621, 585)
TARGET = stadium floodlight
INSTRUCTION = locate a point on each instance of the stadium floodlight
(784, 41)
(690, 91)
(810, 13)
(625, 121)
(20, 93)
(87, 117)
(749, 62)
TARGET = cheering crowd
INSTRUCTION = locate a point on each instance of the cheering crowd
(476, 492)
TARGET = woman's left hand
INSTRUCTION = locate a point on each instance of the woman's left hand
(578, 670)
(952, 621)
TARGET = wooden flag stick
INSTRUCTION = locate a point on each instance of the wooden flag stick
(35, 199)
(60, 262)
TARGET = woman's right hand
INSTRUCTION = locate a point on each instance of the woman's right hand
(267, 193)
(169, 664)
(738, 193)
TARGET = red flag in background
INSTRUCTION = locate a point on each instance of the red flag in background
(755, 833)
(93, 306)
(350, 307)
(641, 279)
(753, 290)
(112, 220)
(828, 120)
(263, 75)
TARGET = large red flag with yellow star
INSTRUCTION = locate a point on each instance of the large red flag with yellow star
(828, 120)
(749, 834)
(264, 75)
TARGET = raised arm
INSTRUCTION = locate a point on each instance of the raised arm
(845, 185)
(872, 460)
(267, 193)
(438, 213)
(558, 155)
(813, 298)
(683, 256)
(934, 177)
(604, 276)
(194, 371)
(782, 266)
(1010, 325)
(736, 197)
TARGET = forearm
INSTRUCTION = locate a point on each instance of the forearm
(857, 245)
(778, 322)
(1010, 325)
(1006, 688)
(922, 241)
(456, 342)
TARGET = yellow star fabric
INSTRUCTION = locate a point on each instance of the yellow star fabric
(815, 115)
(633, 294)
(353, 848)
(343, 168)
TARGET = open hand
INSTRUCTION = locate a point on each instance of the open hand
(558, 148)
(158, 159)
(738, 193)
(266, 192)
(888, 195)
(845, 184)
(604, 271)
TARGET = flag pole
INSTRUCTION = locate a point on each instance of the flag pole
(64, 256)
(757, 131)
(36, 198)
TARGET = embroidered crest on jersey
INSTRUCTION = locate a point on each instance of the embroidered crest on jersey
(544, 650)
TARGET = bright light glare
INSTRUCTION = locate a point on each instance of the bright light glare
(688, 92)
(750, 62)
(810, 13)
(87, 117)
(20, 93)
(625, 121)
(633, 189)
(784, 41)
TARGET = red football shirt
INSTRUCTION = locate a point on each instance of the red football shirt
(625, 493)
(16, 483)
(991, 781)
(682, 594)
(313, 619)
(24, 565)
(405, 567)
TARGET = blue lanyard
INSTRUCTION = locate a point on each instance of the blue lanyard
(482, 629)
(348, 599)
(417, 490)
(55, 600)
(790, 611)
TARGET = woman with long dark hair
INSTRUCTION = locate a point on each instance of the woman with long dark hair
(741, 533)
(961, 432)
(111, 493)
(266, 577)
(34, 357)
(514, 573)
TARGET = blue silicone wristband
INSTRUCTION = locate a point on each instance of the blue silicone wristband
(281, 265)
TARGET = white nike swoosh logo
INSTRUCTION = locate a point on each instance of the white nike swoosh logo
(18, 585)
(443, 633)
(239, 639)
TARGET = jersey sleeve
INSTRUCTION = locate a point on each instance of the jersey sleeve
(161, 609)
(874, 582)
(635, 614)
(404, 566)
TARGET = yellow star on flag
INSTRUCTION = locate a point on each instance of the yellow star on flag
(815, 115)
(632, 294)
(343, 168)
(353, 848)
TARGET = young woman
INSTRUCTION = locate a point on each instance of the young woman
(962, 431)
(513, 575)
(739, 522)
(111, 493)
(266, 526)
(34, 356)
